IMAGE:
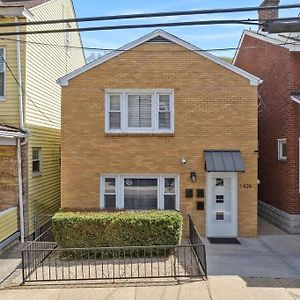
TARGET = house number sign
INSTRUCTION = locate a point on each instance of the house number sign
(246, 186)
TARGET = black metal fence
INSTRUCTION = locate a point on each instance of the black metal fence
(36, 252)
(42, 260)
(195, 239)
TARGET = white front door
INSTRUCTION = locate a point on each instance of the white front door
(221, 204)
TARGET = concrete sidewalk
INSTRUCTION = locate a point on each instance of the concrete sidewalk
(273, 255)
(10, 263)
(216, 288)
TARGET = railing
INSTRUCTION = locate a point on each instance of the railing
(110, 263)
(195, 240)
(36, 252)
(42, 260)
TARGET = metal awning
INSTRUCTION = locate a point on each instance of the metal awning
(223, 161)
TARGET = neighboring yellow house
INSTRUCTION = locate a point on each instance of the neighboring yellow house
(30, 101)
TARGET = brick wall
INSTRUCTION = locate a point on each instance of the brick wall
(278, 118)
(8, 177)
(214, 109)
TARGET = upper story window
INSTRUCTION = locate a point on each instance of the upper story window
(2, 73)
(36, 161)
(68, 39)
(282, 153)
(139, 111)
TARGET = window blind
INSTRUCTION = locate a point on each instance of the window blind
(139, 111)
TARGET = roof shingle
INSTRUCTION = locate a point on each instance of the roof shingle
(26, 3)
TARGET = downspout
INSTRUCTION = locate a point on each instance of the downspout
(21, 125)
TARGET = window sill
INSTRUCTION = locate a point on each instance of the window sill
(167, 134)
(282, 159)
(36, 174)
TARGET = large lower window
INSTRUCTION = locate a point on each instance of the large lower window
(147, 111)
(139, 192)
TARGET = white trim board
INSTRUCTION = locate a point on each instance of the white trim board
(64, 81)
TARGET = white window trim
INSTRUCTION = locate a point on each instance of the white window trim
(279, 144)
(119, 188)
(124, 110)
(2, 98)
(39, 173)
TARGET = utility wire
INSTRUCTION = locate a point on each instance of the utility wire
(150, 25)
(154, 15)
(24, 92)
(146, 51)
(134, 26)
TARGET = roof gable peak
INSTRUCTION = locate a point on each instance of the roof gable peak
(161, 35)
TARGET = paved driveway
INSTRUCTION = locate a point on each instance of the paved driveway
(273, 254)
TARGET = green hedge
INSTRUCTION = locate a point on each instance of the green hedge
(113, 229)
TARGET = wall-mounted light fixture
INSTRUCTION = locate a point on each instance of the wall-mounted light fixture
(193, 176)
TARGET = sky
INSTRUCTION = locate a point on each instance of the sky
(205, 37)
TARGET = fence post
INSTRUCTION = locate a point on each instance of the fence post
(23, 267)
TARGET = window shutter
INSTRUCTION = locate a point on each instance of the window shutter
(139, 111)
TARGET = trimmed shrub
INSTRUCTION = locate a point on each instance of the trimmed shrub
(115, 229)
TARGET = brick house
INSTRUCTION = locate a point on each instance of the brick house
(275, 58)
(153, 125)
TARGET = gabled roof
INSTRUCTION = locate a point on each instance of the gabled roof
(289, 41)
(160, 34)
(26, 3)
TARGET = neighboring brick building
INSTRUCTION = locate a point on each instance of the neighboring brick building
(153, 125)
(275, 58)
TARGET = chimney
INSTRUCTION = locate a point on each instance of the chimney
(268, 13)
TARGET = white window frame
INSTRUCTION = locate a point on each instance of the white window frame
(119, 180)
(2, 97)
(124, 110)
(37, 173)
(280, 142)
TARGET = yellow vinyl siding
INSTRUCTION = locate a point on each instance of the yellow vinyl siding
(9, 110)
(44, 190)
(45, 64)
(8, 223)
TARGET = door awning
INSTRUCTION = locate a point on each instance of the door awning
(223, 161)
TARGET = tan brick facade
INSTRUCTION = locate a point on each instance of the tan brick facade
(214, 109)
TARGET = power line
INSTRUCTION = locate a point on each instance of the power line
(154, 15)
(137, 50)
(134, 26)
(24, 92)
(151, 25)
